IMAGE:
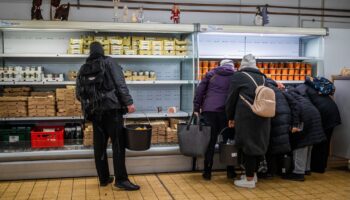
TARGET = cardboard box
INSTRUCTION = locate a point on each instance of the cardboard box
(126, 41)
(169, 48)
(169, 43)
(181, 48)
(130, 52)
(169, 53)
(117, 52)
(116, 42)
(145, 52)
(73, 41)
(116, 47)
(158, 53)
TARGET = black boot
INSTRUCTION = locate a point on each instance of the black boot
(207, 176)
(231, 174)
(126, 185)
(110, 180)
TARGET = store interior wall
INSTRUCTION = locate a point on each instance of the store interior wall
(20, 9)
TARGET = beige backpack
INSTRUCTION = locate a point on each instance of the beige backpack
(264, 104)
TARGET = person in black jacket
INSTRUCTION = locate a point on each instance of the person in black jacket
(310, 133)
(252, 132)
(330, 119)
(287, 117)
(107, 116)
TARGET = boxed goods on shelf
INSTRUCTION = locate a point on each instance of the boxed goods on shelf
(18, 136)
(39, 106)
(157, 53)
(286, 71)
(48, 136)
(169, 53)
(17, 91)
(72, 75)
(145, 52)
(67, 104)
(53, 77)
(180, 42)
(18, 106)
(88, 135)
(130, 52)
(145, 45)
(116, 41)
(139, 76)
(18, 73)
(73, 134)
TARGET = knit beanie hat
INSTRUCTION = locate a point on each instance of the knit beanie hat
(227, 62)
(96, 48)
(248, 61)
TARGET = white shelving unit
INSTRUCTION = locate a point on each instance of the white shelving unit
(259, 57)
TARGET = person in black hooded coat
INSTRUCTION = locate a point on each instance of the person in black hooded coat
(311, 133)
(330, 119)
(287, 116)
(107, 115)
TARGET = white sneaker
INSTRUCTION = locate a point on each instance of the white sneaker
(245, 183)
(255, 177)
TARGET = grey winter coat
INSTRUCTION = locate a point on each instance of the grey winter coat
(252, 131)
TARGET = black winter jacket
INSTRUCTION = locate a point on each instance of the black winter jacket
(325, 105)
(312, 131)
(287, 115)
(252, 131)
(115, 76)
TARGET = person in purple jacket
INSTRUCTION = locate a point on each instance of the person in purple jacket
(209, 101)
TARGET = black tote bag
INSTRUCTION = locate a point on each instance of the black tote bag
(193, 138)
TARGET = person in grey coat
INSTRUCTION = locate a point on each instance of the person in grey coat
(252, 132)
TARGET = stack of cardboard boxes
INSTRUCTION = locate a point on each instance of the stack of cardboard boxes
(12, 106)
(130, 45)
(75, 46)
(18, 91)
(67, 104)
(88, 135)
(42, 104)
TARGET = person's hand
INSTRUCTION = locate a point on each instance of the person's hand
(131, 108)
(280, 85)
(196, 113)
(295, 130)
(231, 123)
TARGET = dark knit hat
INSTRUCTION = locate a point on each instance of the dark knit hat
(96, 48)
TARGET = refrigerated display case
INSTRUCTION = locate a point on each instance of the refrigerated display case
(45, 44)
(273, 47)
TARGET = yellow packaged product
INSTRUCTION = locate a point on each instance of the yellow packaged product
(181, 48)
(169, 43)
(181, 53)
(157, 53)
(169, 48)
(117, 52)
(145, 52)
(76, 41)
(130, 52)
(180, 42)
(126, 41)
(116, 41)
(169, 53)
(116, 47)
(157, 48)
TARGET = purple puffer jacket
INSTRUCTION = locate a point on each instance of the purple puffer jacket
(212, 91)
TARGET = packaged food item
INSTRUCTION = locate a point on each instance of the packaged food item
(290, 77)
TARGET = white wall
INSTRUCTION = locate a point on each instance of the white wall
(20, 9)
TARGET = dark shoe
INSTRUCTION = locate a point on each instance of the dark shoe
(126, 185)
(206, 176)
(294, 177)
(308, 173)
(110, 180)
(231, 174)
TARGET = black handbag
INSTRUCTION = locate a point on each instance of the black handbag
(193, 138)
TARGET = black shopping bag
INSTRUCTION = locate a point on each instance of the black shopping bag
(193, 138)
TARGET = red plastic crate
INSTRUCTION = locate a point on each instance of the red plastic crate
(41, 139)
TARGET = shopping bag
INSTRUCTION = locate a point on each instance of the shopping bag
(228, 151)
(193, 138)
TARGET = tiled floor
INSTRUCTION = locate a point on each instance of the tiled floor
(335, 184)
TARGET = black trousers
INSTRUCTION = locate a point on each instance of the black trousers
(217, 121)
(110, 125)
(320, 153)
(251, 164)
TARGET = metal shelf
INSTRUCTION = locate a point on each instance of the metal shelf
(135, 115)
(157, 82)
(40, 118)
(43, 55)
(259, 57)
(71, 26)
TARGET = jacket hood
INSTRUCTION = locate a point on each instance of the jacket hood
(96, 51)
(225, 70)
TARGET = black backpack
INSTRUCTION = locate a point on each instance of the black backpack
(95, 89)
